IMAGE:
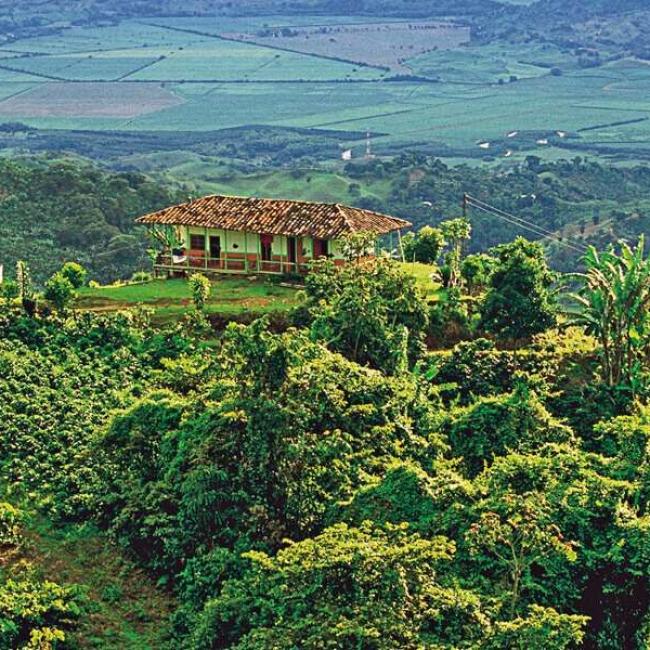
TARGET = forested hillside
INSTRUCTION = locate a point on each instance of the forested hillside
(355, 481)
(580, 200)
(53, 211)
(68, 210)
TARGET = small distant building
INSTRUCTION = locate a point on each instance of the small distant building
(227, 234)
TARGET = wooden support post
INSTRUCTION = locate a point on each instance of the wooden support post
(246, 251)
(284, 244)
(225, 248)
(390, 243)
(259, 253)
(206, 249)
(401, 248)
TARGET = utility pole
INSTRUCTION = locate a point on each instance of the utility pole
(368, 145)
(465, 205)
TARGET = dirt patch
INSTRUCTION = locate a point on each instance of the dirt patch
(90, 99)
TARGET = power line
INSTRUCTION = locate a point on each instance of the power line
(523, 223)
(523, 227)
(533, 230)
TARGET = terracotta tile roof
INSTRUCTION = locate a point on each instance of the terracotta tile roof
(275, 217)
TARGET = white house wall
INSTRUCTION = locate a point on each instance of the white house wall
(235, 242)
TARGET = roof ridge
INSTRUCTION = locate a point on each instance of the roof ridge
(346, 217)
(265, 198)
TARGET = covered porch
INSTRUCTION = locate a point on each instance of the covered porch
(229, 252)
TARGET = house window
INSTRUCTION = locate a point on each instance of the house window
(197, 242)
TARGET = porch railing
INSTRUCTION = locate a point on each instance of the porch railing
(230, 263)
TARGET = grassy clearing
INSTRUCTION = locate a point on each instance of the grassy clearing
(127, 610)
(171, 299)
(423, 278)
(230, 297)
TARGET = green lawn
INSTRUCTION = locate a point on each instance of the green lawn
(422, 274)
(170, 299)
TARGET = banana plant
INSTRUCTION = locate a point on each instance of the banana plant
(613, 304)
(168, 237)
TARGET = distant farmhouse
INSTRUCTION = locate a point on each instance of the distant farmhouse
(225, 234)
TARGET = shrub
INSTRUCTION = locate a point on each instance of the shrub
(141, 276)
(10, 521)
(37, 614)
(75, 273)
(59, 291)
(9, 290)
(200, 288)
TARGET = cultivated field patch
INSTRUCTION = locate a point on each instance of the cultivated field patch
(384, 45)
(89, 100)
(222, 60)
(90, 67)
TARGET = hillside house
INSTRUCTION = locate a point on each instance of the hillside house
(225, 234)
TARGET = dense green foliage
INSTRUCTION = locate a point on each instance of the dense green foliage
(370, 313)
(54, 212)
(519, 302)
(337, 485)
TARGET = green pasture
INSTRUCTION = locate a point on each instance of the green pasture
(170, 299)
(308, 185)
(489, 63)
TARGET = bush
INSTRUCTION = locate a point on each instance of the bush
(10, 521)
(9, 290)
(59, 291)
(75, 273)
(142, 276)
(37, 614)
(200, 288)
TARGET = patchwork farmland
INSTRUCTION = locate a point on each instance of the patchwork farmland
(412, 84)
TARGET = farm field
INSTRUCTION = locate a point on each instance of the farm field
(388, 45)
(65, 99)
(462, 103)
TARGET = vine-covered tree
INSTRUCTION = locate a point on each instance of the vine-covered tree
(372, 313)
(456, 232)
(424, 246)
